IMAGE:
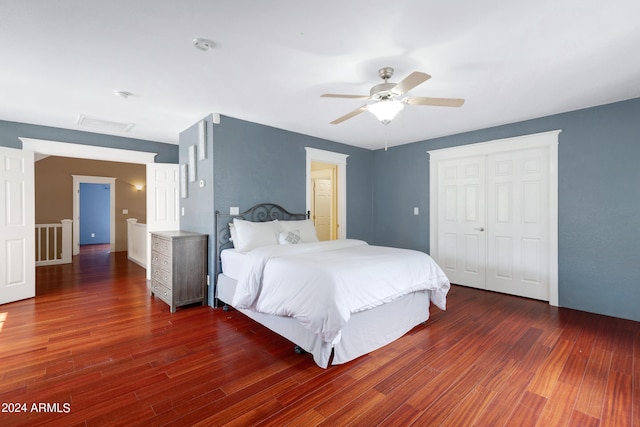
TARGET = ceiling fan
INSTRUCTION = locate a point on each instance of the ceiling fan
(387, 96)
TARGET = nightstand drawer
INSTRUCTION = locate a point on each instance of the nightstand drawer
(162, 276)
(161, 292)
(160, 262)
(161, 245)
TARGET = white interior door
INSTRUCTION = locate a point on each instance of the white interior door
(518, 227)
(461, 213)
(17, 225)
(163, 201)
(322, 198)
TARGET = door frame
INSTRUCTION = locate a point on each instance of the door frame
(340, 160)
(80, 179)
(92, 152)
(543, 139)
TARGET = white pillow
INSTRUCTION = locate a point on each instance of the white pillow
(289, 237)
(232, 233)
(305, 227)
(251, 235)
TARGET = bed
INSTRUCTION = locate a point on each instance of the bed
(337, 300)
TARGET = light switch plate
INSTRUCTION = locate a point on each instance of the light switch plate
(416, 211)
(234, 210)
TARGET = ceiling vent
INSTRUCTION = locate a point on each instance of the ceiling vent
(105, 125)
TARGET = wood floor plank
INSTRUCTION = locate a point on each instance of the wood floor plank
(635, 392)
(617, 410)
(544, 381)
(528, 410)
(592, 391)
(559, 407)
(501, 408)
(93, 338)
(307, 397)
(469, 409)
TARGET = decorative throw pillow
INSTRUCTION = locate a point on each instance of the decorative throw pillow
(289, 237)
(305, 228)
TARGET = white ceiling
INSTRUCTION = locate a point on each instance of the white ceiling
(511, 60)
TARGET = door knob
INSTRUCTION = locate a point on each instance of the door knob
(479, 228)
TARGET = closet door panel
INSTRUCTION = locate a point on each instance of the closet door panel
(517, 203)
(462, 245)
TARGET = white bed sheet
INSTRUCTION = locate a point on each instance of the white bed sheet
(233, 262)
(322, 284)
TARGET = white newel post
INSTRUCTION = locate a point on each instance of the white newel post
(67, 227)
(130, 237)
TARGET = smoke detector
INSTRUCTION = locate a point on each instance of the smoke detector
(122, 93)
(203, 44)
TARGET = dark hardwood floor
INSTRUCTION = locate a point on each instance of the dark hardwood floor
(94, 349)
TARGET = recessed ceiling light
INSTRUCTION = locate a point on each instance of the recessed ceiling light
(203, 44)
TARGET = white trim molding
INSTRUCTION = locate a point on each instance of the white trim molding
(82, 151)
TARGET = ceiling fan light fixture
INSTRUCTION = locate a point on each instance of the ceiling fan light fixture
(386, 110)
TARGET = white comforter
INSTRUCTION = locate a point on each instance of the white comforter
(321, 284)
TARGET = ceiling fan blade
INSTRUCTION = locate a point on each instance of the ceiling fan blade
(337, 95)
(349, 115)
(437, 102)
(411, 81)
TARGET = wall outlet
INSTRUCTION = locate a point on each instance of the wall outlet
(125, 211)
(234, 210)
(416, 211)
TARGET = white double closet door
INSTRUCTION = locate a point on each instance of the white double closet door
(494, 215)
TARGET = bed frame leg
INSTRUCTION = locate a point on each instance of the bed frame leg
(299, 350)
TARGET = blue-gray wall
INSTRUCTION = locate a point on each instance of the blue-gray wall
(599, 201)
(10, 132)
(198, 206)
(250, 163)
(256, 163)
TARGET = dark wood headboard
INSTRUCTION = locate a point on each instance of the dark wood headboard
(262, 212)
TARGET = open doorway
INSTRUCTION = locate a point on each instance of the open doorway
(24, 206)
(95, 224)
(78, 223)
(327, 192)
